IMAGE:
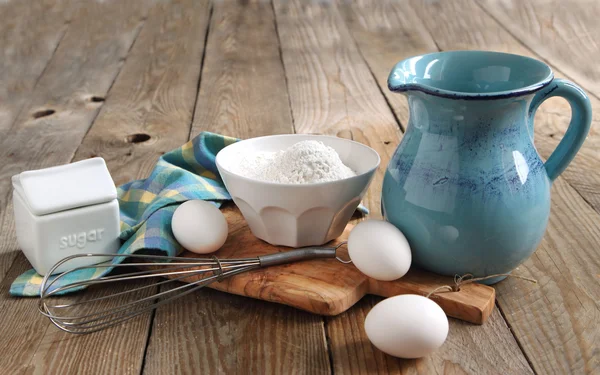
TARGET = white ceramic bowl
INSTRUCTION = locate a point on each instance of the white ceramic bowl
(298, 215)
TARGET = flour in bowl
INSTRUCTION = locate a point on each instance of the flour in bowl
(303, 163)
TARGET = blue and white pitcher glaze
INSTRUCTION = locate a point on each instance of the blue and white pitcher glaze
(466, 184)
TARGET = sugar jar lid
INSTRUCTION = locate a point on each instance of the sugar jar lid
(65, 187)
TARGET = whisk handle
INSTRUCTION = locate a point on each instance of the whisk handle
(296, 255)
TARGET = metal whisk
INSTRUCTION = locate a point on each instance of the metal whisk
(103, 311)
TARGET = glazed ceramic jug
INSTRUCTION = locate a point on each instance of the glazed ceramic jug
(466, 184)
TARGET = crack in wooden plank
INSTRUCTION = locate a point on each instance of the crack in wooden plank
(210, 15)
(287, 88)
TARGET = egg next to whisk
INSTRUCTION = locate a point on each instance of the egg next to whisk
(379, 250)
(199, 226)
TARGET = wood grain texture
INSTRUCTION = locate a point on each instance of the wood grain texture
(555, 322)
(29, 35)
(117, 350)
(84, 65)
(329, 287)
(242, 93)
(564, 33)
(461, 354)
(30, 344)
(22, 326)
(375, 26)
(216, 333)
(332, 90)
(154, 94)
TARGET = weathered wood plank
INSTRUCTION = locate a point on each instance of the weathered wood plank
(154, 94)
(216, 333)
(150, 107)
(30, 31)
(119, 350)
(564, 33)
(555, 322)
(379, 29)
(85, 64)
(243, 94)
(461, 354)
(21, 326)
(25, 51)
(60, 111)
(333, 91)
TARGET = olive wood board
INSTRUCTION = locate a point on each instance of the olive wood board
(329, 287)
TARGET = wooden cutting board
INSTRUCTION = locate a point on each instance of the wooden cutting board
(329, 287)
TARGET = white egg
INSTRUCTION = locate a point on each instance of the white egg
(407, 326)
(379, 250)
(199, 226)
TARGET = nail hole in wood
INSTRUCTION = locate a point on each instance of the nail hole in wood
(386, 142)
(96, 99)
(43, 113)
(137, 138)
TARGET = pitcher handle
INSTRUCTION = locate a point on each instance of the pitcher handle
(581, 118)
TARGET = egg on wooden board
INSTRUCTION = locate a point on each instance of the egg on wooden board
(407, 326)
(379, 250)
(199, 226)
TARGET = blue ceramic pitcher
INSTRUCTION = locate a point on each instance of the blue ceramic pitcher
(466, 184)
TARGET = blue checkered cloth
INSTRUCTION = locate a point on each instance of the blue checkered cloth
(147, 206)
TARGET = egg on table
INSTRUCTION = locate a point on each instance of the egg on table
(199, 226)
(407, 326)
(379, 250)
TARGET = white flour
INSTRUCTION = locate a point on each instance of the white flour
(304, 162)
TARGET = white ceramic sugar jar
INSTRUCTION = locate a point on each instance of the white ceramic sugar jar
(66, 210)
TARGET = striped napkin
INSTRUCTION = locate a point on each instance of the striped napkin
(147, 206)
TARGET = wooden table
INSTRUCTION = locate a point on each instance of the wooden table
(130, 80)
